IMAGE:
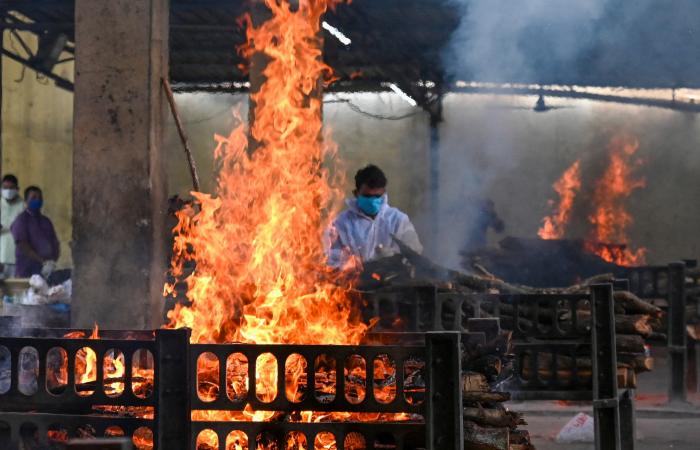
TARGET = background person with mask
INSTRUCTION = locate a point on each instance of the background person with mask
(11, 206)
(366, 227)
(37, 245)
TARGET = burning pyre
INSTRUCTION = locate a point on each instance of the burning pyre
(260, 272)
(609, 218)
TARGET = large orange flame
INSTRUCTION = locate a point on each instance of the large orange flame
(610, 219)
(554, 226)
(260, 275)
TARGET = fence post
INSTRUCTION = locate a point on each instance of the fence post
(444, 421)
(628, 420)
(677, 341)
(621, 284)
(172, 415)
(605, 397)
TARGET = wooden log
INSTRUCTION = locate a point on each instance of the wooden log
(633, 324)
(636, 305)
(585, 285)
(485, 397)
(489, 365)
(521, 447)
(629, 343)
(520, 440)
(493, 417)
(474, 382)
(624, 324)
(475, 282)
(485, 438)
(640, 363)
(658, 337)
(626, 378)
(637, 361)
(563, 375)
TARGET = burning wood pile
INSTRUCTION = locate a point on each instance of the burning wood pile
(541, 262)
(555, 259)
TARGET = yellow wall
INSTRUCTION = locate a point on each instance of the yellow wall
(37, 137)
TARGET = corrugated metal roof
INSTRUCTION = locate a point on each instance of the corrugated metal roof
(404, 41)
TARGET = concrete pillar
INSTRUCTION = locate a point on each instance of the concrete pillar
(119, 178)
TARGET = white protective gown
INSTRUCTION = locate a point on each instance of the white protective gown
(355, 233)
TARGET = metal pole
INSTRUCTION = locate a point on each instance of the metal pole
(172, 415)
(605, 397)
(434, 181)
(692, 358)
(628, 419)
(181, 131)
(444, 421)
(677, 338)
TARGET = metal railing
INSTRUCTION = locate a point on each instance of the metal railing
(548, 334)
(668, 283)
(435, 401)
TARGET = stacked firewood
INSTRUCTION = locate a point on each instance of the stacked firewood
(636, 320)
(488, 424)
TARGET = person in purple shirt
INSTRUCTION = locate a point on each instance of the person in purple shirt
(37, 247)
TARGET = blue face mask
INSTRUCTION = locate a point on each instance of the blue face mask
(370, 205)
(35, 204)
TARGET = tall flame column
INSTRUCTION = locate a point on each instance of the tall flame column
(119, 180)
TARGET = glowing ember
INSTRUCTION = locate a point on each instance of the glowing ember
(610, 218)
(554, 226)
(85, 364)
(114, 371)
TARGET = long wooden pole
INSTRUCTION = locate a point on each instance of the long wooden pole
(181, 131)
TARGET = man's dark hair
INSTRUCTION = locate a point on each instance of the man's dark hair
(372, 176)
(11, 178)
(31, 189)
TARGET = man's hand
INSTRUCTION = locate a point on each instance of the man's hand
(47, 269)
(384, 252)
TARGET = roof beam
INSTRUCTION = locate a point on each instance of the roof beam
(60, 82)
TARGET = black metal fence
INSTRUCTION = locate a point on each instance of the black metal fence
(423, 384)
(564, 345)
(667, 283)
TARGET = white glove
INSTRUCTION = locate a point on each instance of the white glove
(384, 252)
(47, 269)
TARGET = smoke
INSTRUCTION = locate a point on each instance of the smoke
(594, 42)
(496, 147)
(506, 40)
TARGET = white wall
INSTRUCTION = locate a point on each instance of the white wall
(490, 150)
